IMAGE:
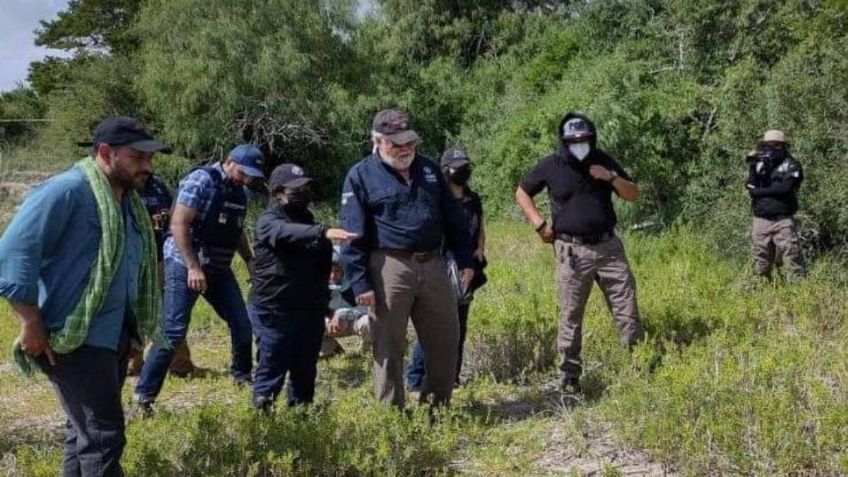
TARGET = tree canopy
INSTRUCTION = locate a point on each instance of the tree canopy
(680, 89)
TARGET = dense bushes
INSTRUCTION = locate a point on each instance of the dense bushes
(681, 89)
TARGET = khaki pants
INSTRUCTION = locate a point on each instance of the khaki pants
(577, 267)
(776, 242)
(421, 290)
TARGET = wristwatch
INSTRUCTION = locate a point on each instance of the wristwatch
(613, 175)
(541, 225)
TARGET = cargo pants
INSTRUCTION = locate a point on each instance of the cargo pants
(578, 266)
(776, 242)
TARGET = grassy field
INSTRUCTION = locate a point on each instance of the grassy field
(737, 377)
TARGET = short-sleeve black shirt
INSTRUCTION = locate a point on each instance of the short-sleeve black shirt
(580, 205)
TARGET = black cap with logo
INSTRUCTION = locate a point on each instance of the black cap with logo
(288, 176)
(454, 158)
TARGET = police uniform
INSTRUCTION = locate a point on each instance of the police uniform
(289, 296)
(216, 233)
(586, 246)
(401, 226)
(774, 177)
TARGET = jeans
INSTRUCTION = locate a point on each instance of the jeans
(290, 342)
(415, 372)
(88, 382)
(224, 295)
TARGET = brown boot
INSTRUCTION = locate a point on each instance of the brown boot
(181, 365)
(330, 347)
(136, 360)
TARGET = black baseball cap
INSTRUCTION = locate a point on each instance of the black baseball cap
(455, 158)
(124, 131)
(395, 125)
(288, 175)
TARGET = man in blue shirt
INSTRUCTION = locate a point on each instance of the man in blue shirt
(46, 257)
(207, 228)
(398, 204)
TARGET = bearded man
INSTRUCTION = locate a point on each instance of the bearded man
(402, 211)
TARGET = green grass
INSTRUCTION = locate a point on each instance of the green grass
(736, 377)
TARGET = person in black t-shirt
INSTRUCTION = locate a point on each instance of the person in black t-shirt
(580, 179)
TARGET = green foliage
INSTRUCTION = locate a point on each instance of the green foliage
(98, 90)
(91, 24)
(20, 111)
(217, 73)
(735, 377)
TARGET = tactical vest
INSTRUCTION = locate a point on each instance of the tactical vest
(217, 236)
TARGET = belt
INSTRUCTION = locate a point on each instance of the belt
(776, 218)
(407, 255)
(586, 239)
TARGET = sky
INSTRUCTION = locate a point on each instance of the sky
(18, 20)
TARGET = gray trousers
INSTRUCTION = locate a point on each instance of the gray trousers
(776, 242)
(578, 266)
(407, 288)
(88, 382)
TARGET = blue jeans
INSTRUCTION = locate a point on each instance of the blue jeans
(289, 344)
(224, 295)
(415, 372)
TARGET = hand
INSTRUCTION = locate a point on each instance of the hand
(368, 299)
(334, 325)
(546, 233)
(34, 341)
(197, 280)
(600, 173)
(480, 254)
(340, 235)
(465, 277)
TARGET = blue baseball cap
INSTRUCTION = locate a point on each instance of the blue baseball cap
(249, 159)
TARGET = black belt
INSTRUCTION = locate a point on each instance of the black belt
(407, 255)
(776, 218)
(586, 239)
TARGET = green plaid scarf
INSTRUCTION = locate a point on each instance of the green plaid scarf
(147, 309)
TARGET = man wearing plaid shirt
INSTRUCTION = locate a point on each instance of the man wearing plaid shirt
(207, 228)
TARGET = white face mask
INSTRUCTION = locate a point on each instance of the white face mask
(579, 150)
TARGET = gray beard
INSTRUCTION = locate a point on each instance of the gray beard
(398, 163)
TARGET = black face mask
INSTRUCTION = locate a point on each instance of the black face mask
(460, 176)
(299, 198)
(772, 156)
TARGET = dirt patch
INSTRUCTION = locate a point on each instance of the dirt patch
(13, 188)
(593, 451)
